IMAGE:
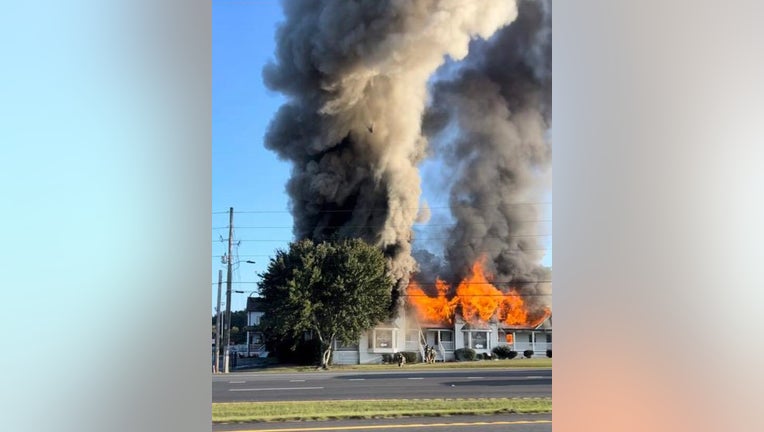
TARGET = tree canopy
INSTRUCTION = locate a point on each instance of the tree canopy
(336, 290)
(238, 323)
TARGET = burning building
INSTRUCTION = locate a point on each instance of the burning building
(475, 314)
(367, 103)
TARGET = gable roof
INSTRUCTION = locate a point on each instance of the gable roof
(545, 322)
(255, 304)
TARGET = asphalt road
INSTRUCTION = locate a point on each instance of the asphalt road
(492, 423)
(404, 384)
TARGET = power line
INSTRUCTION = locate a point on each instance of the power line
(415, 225)
(386, 209)
(423, 238)
(485, 250)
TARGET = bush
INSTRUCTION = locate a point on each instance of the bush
(465, 354)
(479, 356)
(528, 353)
(512, 354)
(411, 356)
(387, 358)
(549, 353)
(502, 351)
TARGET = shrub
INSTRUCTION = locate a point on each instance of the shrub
(528, 353)
(411, 356)
(549, 353)
(465, 354)
(387, 358)
(502, 351)
(512, 354)
(479, 356)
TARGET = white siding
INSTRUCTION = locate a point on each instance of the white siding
(345, 357)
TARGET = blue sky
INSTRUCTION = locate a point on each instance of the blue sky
(245, 175)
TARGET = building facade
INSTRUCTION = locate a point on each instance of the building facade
(406, 334)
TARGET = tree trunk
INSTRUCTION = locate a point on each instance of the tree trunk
(327, 355)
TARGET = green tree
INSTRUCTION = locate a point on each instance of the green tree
(238, 322)
(335, 290)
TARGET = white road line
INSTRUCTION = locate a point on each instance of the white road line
(535, 377)
(277, 388)
(474, 377)
(296, 380)
(236, 382)
(357, 379)
(415, 378)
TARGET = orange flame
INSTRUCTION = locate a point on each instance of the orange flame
(479, 300)
(432, 309)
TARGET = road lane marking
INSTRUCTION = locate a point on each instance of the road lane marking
(236, 382)
(357, 379)
(401, 426)
(296, 380)
(277, 388)
(415, 378)
(474, 377)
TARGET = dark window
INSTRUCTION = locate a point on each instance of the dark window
(549, 338)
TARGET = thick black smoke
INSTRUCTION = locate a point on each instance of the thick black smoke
(493, 118)
(355, 74)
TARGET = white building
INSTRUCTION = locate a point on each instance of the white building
(255, 339)
(402, 334)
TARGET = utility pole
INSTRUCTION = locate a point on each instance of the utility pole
(219, 324)
(228, 289)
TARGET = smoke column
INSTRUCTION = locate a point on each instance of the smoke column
(355, 74)
(493, 119)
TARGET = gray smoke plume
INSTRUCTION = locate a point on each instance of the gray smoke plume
(355, 74)
(494, 115)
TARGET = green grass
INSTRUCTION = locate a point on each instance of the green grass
(514, 363)
(383, 408)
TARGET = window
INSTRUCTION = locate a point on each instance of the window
(549, 338)
(530, 337)
(510, 338)
(476, 340)
(479, 340)
(446, 336)
(383, 340)
(254, 318)
(342, 346)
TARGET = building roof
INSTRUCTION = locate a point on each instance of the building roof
(543, 323)
(255, 304)
(478, 325)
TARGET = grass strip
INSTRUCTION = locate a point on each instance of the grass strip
(363, 409)
(483, 364)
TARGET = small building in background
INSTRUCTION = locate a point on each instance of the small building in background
(255, 337)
